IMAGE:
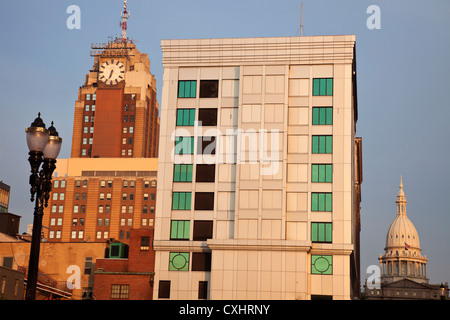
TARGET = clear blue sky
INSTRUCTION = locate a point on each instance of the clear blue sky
(403, 85)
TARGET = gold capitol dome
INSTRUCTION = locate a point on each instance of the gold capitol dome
(402, 233)
(402, 256)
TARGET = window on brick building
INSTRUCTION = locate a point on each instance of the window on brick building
(145, 243)
(88, 265)
(120, 291)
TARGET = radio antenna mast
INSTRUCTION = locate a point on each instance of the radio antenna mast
(125, 15)
(301, 21)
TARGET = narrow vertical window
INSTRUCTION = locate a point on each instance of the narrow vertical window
(164, 289)
(202, 290)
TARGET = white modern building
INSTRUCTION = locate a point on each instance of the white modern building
(259, 170)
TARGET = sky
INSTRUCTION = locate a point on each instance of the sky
(403, 79)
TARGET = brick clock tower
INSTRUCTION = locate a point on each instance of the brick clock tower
(116, 114)
(107, 187)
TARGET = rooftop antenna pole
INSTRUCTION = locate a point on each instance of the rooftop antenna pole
(125, 15)
(301, 21)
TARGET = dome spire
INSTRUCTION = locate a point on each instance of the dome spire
(401, 200)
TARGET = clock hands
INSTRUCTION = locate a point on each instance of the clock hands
(113, 76)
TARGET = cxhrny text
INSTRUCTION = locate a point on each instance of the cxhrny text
(228, 309)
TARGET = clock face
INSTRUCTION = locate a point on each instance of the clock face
(112, 72)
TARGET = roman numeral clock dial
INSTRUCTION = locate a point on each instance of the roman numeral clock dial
(112, 72)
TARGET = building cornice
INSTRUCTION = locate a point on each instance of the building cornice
(254, 51)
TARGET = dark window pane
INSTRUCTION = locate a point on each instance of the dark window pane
(209, 88)
(203, 289)
(145, 241)
(201, 261)
(205, 173)
(321, 297)
(203, 230)
(206, 145)
(204, 201)
(164, 289)
(207, 117)
(8, 262)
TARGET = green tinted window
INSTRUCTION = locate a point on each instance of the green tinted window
(322, 115)
(180, 229)
(321, 201)
(185, 117)
(316, 86)
(329, 87)
(321, 264)
(321, 232)
(321, 173)
(187, 89)
(179, 261)
(182, 173)
(322, 144)
(181, 201)
(184, 145)
(323, 87)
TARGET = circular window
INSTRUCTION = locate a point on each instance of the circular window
(321, 264)
(179, 261)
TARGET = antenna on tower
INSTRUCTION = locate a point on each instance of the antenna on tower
(125, 15)
(301, 20)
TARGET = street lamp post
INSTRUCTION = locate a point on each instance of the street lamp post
(44, 146)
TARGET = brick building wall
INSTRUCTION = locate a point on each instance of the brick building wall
(131, 277)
